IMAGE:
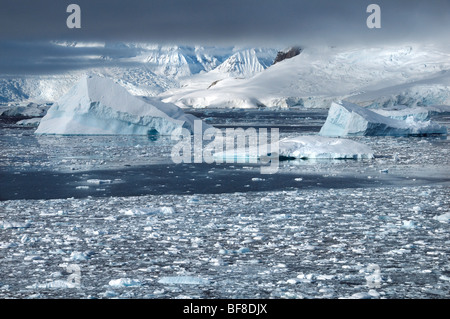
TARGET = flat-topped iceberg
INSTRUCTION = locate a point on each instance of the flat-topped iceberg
(347, 119)
(302, 147)
(319, 147)
(99, 106)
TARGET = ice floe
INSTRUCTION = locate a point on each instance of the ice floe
(183, 280)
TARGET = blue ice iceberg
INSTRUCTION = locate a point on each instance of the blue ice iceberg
(99, 106)
(347, 119)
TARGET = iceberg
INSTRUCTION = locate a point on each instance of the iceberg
(303, 147)
(99, 106)
(319, 147)
(25, 110)
(419, 113)
(30, 122)
(348, 119)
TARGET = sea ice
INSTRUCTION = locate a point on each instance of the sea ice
(348, 119)
(183, 280)
(61, 284)
(99, 106)
(99, 181)
(124, 282)
(443, 218)
(148, 210)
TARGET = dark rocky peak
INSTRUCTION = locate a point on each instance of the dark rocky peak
(287, 54)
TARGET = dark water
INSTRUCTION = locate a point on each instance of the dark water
(50, 167)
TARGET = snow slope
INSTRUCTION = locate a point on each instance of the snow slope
(142, 68)
(99, 106)
(409, 75)
(347, 119)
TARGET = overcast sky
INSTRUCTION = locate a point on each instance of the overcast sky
(26, 26)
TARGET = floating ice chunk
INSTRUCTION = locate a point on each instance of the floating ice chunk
(78, 256)
(125, 282)
(409, 224)
(443, 218)
(148, 210)
(29, 110)
(184, 280)
(325, 277)
(416, 209)
(361, 295)
(62, 284)
(166, 210)
(8, 225)
(99, 181)
(293, 281)
(307, 147)
(30, 122)
(347, 119)
(109, 294)
(97, 105)
(242, 250)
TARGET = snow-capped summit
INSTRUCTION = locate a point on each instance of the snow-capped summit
(142, 68)
(287, 54)
(243, 64)
(370, 76)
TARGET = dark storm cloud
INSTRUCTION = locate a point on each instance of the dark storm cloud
(38, 57)
(224, 21)
(27, 26)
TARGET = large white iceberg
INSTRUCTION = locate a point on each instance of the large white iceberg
(302, 147)
(348, 119)
(97, 105)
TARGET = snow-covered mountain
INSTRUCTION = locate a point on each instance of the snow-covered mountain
(409, 75)
(246, 64)
(142, 68)
(196, 76)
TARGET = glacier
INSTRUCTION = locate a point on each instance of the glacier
(348, 119)
(99, 106)
(142, 68)
(371, 76)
